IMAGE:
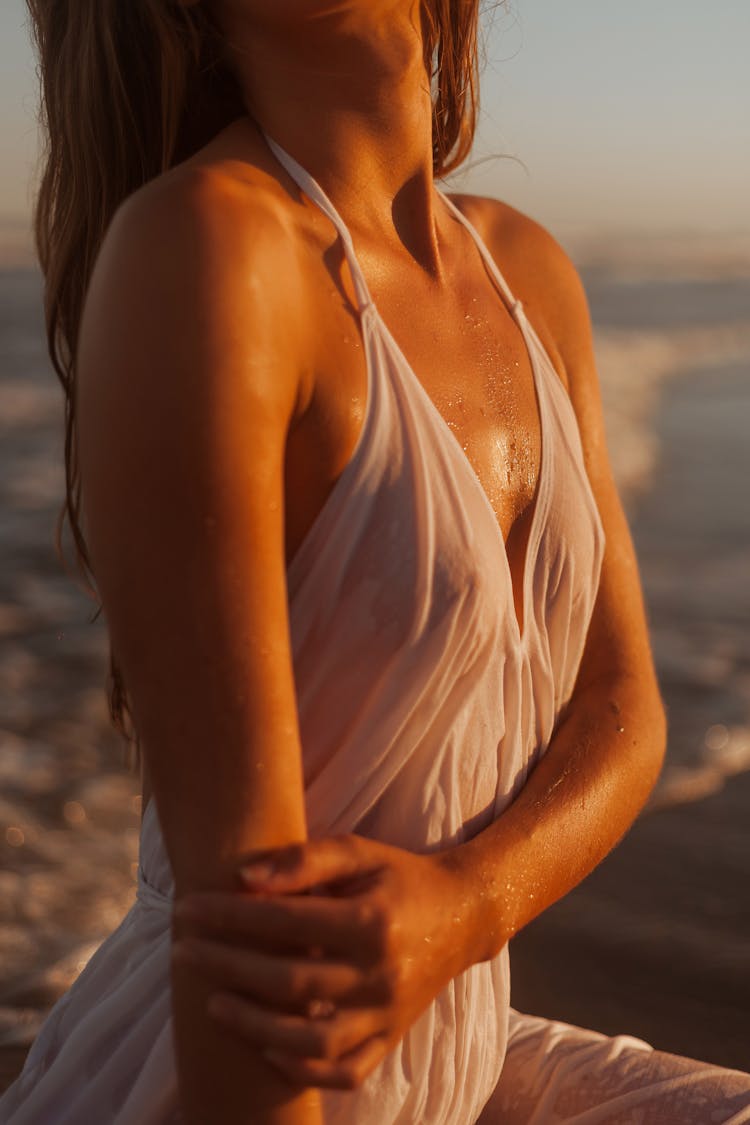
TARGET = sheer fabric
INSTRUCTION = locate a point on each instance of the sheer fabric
(422, 707)
(556, 1074)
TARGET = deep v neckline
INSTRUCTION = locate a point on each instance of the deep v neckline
(521, 627)
(368, 310)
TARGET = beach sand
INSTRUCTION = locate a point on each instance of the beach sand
(655, 941)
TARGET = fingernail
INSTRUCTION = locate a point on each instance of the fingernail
(259, 872)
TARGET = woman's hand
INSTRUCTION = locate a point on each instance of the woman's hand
(337, 948)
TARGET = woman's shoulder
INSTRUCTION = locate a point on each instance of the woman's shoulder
(524, 249)
(539, 273)
(204, 255)
(197, 297)
(213, 217)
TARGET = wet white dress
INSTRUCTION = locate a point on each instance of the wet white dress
(422, 708)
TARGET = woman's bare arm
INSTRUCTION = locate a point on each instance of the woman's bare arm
(189, 378)
(606, 753)
(466, 901)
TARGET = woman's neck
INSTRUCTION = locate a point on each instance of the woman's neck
(345, 91)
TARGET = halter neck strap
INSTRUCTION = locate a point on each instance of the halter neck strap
(312, 188)
(487, 257)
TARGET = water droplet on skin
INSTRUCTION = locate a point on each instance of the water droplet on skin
(620, 730)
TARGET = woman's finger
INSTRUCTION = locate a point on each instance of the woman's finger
(345, 1073)
(336, 925)
(297, 867)
(301, 1037)
(285, 982)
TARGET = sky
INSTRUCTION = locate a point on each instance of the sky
(604, 116)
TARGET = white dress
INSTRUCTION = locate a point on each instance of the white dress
(422, 708)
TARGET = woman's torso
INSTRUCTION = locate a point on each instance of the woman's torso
(424, 695)
(465, 347)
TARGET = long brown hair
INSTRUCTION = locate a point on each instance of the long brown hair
(130, 88)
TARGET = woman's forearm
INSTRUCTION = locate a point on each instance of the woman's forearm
(186, 525)
(223, 1079)
(580, 799)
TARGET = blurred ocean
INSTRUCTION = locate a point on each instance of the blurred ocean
(673, 343)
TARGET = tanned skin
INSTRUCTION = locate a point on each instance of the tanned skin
(222, 386)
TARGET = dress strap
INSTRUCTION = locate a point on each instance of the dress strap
(489, 261)
(312, 188)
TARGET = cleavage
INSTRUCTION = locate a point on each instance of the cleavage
(475, 367)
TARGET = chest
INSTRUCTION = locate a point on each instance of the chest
(472, 361)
